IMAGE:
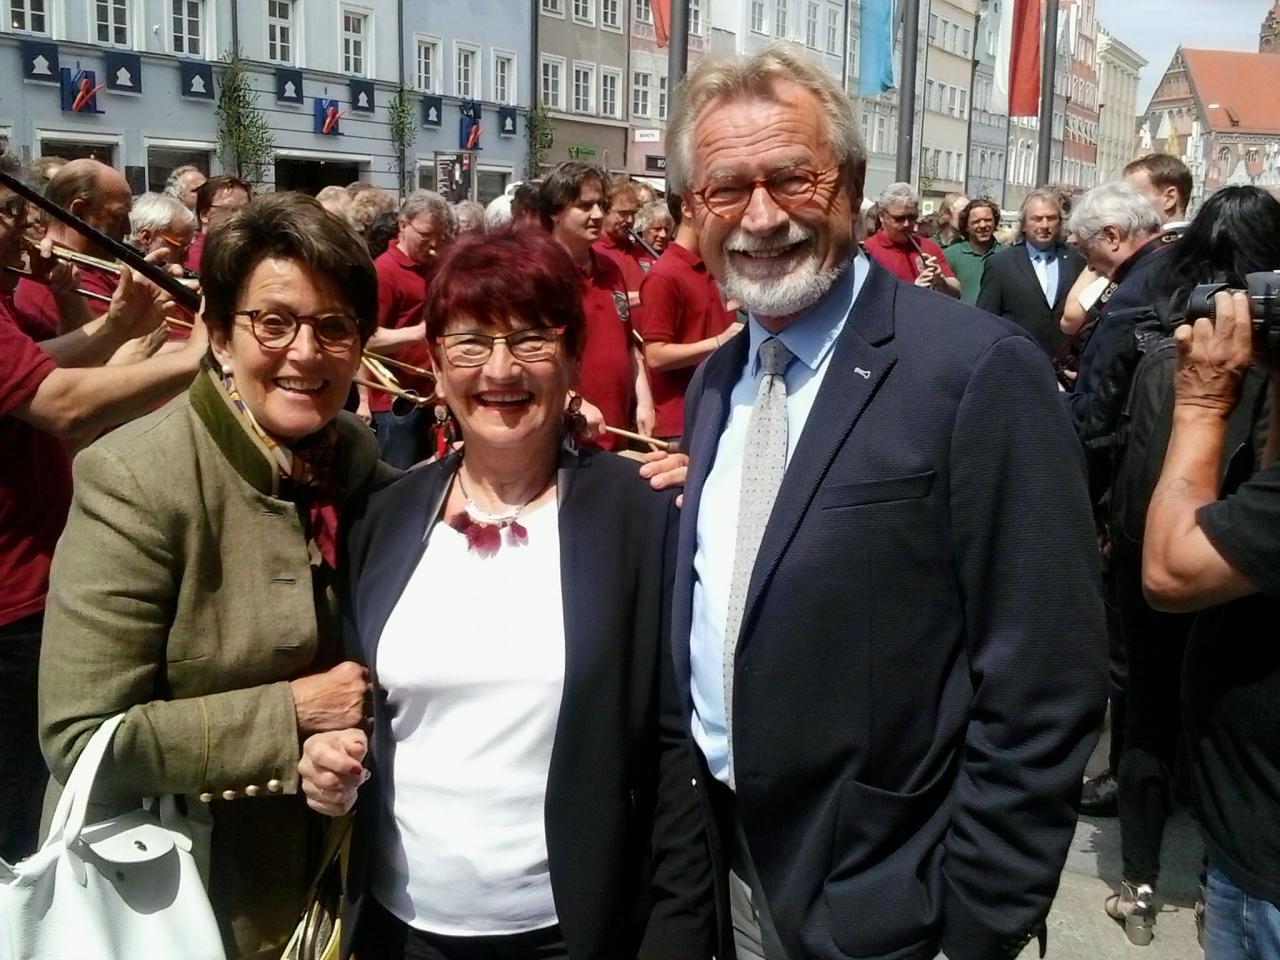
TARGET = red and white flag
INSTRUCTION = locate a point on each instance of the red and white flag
(1017, 71)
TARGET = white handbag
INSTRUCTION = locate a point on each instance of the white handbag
(122, 889)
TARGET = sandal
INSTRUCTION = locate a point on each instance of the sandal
(1134, 909)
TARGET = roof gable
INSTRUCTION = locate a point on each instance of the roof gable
(1236, 90)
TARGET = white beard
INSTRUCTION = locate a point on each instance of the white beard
(801, 287)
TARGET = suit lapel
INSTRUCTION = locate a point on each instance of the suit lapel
(405, 518)
(719, 374)
(1064, 266)
(1023, 263)
(864, 355)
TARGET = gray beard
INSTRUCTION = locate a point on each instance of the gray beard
(784, 296)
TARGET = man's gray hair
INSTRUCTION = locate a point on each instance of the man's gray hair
(651, 213)
(1115, 204)
(899, 192)
(173, 186)
(468, 215)
(159, 212)
(756, 76)
(431, 203)
(1043, 194)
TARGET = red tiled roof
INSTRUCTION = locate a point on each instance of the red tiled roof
(1236, 89)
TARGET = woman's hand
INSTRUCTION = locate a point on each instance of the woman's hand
(333, 700)
(332, 770)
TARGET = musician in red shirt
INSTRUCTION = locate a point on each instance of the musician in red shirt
(425, 226)
(899, 249)
(615, 240)
(684, 320)
(613, 374)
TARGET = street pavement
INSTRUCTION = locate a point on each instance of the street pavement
(1078, 927)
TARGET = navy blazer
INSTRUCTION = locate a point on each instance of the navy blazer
(630, 870)
(1011, 289)
(921, 670)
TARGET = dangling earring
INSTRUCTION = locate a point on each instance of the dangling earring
(445, 430)
(575, 422)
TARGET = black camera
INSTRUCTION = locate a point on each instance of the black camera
(1263, 290)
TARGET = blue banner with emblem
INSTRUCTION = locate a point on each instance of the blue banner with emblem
(328, 115)
(288, 85)
(432, 111)
(507, 126)
(79, 90)
(122, 71)
(362, 96)
(195, 79)
(40, 61)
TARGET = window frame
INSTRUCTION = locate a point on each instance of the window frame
(130, 20)
(664, 98)
(203, 38)
(780, 18)
(645, 7)
(365, 39)
(551, 60)
(436, 80)
(589, 19)
(46, 13)
(696, 22)
(757, 6)
(647, 88)
(512, 95)
(811, 20)
(553, 8)
(588, 69)
(833, 31)
(614, 74)
(614, 24)
(477, 75)
(291, 26)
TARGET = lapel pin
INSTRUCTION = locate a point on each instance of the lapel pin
(864, 374)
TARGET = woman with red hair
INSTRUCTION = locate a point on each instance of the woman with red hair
(531, 793)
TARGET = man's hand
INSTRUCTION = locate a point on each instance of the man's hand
(136, 308)
(663, 470)
(1213, 357)
(332, 770)
(333, 700)
(59, 276)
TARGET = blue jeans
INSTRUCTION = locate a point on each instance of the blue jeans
(403, 440)
(1236, 925)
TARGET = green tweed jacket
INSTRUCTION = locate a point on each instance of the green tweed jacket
(184, 593)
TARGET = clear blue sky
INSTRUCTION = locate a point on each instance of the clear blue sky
(1155, 28)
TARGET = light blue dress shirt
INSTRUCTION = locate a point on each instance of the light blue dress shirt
(1049, 286)
(810, 337)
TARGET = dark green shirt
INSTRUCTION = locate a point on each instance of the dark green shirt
(968, 265)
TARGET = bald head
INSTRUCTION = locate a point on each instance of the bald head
(97, 194)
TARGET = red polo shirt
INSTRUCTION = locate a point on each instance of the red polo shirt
(402, 292)
(682, 304)
(37, 311)
(194, 252)
(607, 379)
(35, 479)
(626, 256)
(903, 260)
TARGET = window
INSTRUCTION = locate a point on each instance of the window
(953, 36)
(695, 17)
(964, 104)
(584, 83)
(644, 11)
(662, 98)
(29, 15)
(465, 83)
(933, 28)
(928, 95)
(952, 101)
(188, 17)
(780, 18)
(609, 14)
(811, 25)
(881, 144)
(354, 32)
(113, 22)
(428, 65)
(552, 88)
(582, 11)
(610, 81)
(640, 94)
(757, 16)
(833, 30)
(280, 31)
(553, 6)
(965, 38)
(504, 71)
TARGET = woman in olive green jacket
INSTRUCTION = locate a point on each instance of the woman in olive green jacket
(192, 587)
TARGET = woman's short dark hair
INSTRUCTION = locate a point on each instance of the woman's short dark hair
(492, 277)
(208, 190)
(977, 204)
(288, 226)
(562, 186)
(1236, 232)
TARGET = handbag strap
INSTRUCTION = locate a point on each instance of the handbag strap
(73, 805)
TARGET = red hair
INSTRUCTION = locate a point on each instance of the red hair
(492, 277)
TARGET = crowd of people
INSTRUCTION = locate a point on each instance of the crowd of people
(812, 670)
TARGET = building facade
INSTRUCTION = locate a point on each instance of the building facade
(988, 130)
(1119, 67)
(1024, 132)
(1217, 111)
(324, 73)
(949, 70)
(1080, 130)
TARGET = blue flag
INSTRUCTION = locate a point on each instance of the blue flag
(875, 69)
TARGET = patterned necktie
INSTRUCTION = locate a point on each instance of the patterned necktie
(763, 463)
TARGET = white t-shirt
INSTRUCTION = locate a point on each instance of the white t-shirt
(472, 661)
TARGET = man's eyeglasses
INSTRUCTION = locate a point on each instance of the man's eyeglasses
(789, 189)
(277, 329)
(14, 207)
(475, 349)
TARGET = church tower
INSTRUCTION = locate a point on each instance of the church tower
(1269, 37)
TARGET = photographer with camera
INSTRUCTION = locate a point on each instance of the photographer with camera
(1214, 546)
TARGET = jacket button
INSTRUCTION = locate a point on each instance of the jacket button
(274, 786)
(229, 794)
(693, 782)
(206, 798)
(251, 790)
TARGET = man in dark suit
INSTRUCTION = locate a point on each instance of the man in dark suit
(1028, 282)
(888, 629)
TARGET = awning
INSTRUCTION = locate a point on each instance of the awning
(658, 183)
